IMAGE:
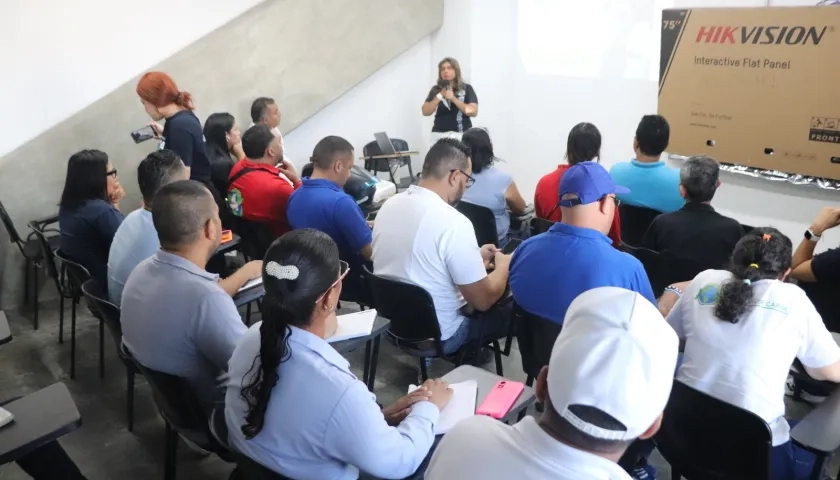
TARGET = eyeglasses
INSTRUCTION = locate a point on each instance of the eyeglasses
(344, 269)
(112, 173)
(470, 178)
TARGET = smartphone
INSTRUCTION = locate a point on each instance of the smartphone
(143, 134)
(5, 417)
(498, 403)
(511, 246)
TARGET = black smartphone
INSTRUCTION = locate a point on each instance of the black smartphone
(143, 134)
(511, 246)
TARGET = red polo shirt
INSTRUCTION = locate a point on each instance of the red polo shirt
(261, 195)
(546, 198)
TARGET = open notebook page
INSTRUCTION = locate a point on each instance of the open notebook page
(353, 325)
(461, 406)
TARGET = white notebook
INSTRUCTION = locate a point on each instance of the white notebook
(461, 406)
(353, 325)
(251, 284)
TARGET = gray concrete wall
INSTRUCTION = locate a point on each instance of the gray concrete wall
(304, 53)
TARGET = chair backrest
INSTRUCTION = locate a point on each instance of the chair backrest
(826, 299)
(635, 222)
(483, 220)
(10, 226)
(250, 469)
(536, 336)
(46, 252)
(77, 275)
(98, 303)
(706, 438)
(654, 267)
(540, 225)
(179, 406)
(409, 308)
(256, 237)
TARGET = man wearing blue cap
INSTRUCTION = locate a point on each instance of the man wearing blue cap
(548, 271)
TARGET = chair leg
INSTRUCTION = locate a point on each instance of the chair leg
(529, 381)
(130, 398)
(248, 314)
(374, 360)
(101, 349)
(60, 318)
(424, 375)
(497, 352)
(170, 456)
(522, 414)
(368, 351)
(675, 475)
(35, 296)
(72, 339)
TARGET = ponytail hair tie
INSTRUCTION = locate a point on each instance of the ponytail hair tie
(747, 281)
(282, 272)
(766, 237)
(754, 265)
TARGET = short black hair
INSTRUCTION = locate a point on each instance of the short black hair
(155, 171)
(256, 140)
(481, 148)
(446, 154)
(180, 211)
(653, 135)
(259, 108)
(583, 144)
(325, 152)
(87, 178)
(699, 176)
(570, 434)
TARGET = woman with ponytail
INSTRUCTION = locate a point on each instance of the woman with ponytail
(182, 131)
(292, 403)
(743, 328)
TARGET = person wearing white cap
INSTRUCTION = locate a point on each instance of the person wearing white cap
(606, 385)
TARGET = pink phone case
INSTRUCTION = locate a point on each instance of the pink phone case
(497, 404)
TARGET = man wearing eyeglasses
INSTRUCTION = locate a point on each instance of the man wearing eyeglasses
(548, 271)
(420, 238)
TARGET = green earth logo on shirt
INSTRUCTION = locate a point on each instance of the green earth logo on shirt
(708, 295)
(234, 200)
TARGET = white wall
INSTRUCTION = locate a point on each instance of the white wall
(64, 55)
(541, 66)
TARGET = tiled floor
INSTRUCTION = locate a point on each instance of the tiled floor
(104, 449)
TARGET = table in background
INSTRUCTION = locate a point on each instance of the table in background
(228, 246)
(40, 418)
(486, 382)
(244, 297)
(371, 343)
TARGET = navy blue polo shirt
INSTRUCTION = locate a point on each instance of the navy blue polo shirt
(323, 205)
(550, 270)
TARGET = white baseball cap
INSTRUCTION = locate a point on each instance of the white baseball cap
(616, 354)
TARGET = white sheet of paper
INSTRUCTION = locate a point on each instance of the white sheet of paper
(461, 406)
(251, 283)
(354, 325)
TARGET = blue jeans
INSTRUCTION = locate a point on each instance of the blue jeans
(486, 326)
(789, 461)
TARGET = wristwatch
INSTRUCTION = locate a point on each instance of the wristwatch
(809, 235)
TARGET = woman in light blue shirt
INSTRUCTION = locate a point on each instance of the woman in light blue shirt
(493, 188)
(292, 403)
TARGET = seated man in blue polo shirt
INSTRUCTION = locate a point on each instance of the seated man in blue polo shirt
(322, 204)
(548, 271)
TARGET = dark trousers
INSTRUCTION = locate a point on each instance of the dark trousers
(48, 462)
(481, 326)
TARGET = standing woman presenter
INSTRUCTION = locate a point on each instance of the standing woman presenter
(452, 101)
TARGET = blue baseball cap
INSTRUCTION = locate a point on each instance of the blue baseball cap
(590, 182)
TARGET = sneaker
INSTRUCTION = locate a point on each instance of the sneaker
(647, 472)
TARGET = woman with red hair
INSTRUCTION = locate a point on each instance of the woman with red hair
(182, 132)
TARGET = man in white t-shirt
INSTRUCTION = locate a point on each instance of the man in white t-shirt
(606, 385)
(420, 238)
(265, 110)
(744, 328)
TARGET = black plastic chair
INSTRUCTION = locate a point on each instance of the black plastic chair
(31, 251)
(635, 222)
(414, 323)
(248, 469)
(654, 265)
(536, 337)
(109, 313)
(390, 165)
(704, 438)
(183, 415)
(483, 220)
(256, 238)
(540, 225)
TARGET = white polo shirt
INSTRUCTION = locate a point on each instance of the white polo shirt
(746, 363)
(420, 239)
(481, 447)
